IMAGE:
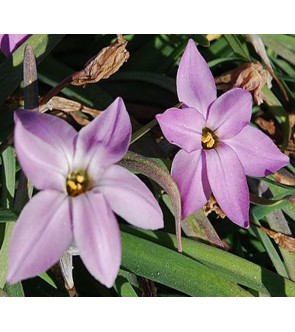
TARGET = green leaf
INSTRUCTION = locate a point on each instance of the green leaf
(143, 130)
(7, 216)
(15, 290)
(160, 80)
(278, 223)
(8, 189)
(11, 70)
(123, 287)
(237, 269)
(4, 253)
(277, 110)
(279, 48)
(270, 249)
(174, 270)
(239, 49)
(48, 279)
(201, 40)
(8, 177)
(52, 72)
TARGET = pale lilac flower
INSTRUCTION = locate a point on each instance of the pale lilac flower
(10, 42)
(218, 146)
(80, 189)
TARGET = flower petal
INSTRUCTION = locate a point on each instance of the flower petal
(190, 174)
(45, 147)
(182, 127)
(10, 42)
(42, 234)
(257, 152)
(105, 140)
(230, 113)
(195, 82)
(97, 236)
(130, 198)
(228, 183)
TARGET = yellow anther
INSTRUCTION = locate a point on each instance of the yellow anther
(71, 184)
(209, 140)
(76, 184)
(80, 178)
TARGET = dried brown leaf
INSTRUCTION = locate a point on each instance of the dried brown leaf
(284, 241)
(212, 206)
(285, 177)
(106, 63)
(69, 107)
(266, 125)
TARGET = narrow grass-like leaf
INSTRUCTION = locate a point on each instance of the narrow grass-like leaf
(270, 249)
(7, 216)
(278, 48)
(237, 47)
(8, 177)
(52, 72)
(174, 270)
(4, 253)
(234, 268)
(11, 70)
(143, 130)
(123, 287)
(159, 80)
(8, 189)
(15, 290)
(277, 110)
(278, 223)
(48, 279)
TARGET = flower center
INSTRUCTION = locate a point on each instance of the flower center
(209, 139)
(77, 183)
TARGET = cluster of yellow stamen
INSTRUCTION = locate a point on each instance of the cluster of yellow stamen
(77, 184)
(209, 139)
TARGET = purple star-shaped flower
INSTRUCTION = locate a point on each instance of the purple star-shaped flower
(80, 189)
(218, 146)
(10, 42)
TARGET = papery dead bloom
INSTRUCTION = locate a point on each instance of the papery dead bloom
(106, 63)
(251, 77)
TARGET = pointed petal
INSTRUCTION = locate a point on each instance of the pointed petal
(130, 198)
(105, 140)
(257, 152)
(230, 113)
(195, 82)
(40, 237)
(190, 174)
(45, 147)
(97, 236)
(182, 127)
(228, 183)
(10, 42)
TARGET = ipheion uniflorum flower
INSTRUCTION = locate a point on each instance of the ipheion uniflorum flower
(218, 145)
(80, 189)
